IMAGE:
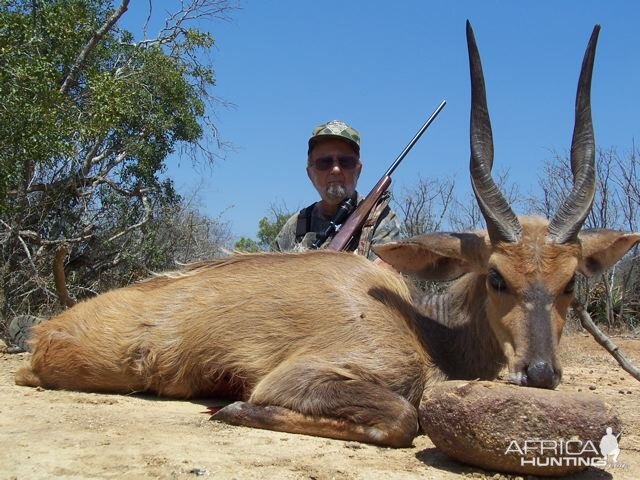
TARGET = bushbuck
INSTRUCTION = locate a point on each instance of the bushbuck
(330, 344)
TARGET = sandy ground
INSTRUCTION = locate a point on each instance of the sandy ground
(53, 434)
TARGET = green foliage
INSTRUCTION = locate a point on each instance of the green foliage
(246, 245)
(268, 228)
(37, 123)
(128, 98)
(83, 144)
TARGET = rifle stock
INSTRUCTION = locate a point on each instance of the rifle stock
(354, 223)
(356, 220)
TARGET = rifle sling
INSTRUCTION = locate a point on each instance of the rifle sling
(303, 224)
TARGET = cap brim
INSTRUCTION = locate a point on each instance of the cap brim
(313, 141)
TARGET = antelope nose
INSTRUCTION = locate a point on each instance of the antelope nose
(541, 375)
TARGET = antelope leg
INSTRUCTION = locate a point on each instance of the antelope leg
(318, 397)
(271, 417)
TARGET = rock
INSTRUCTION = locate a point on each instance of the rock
(515, 429)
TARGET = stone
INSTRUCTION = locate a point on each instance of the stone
(514, 429)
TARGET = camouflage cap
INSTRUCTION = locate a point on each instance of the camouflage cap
(337, 129)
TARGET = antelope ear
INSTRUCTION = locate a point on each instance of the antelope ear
(437, 256)
(602, 248)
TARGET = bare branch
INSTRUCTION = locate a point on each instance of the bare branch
(90, 156)
(190, 11)
(146, 217)
(97, 36)
(81, 181)
(603, 340)
(26, 250)
(146, 22)
(38, 240)
(423, 207)
(60, 278)
(61, 184)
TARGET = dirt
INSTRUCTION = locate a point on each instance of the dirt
(56, 434)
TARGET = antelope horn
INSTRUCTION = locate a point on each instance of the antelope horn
(502, 224)
(569, 218)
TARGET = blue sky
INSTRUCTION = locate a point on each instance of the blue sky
(383, 67)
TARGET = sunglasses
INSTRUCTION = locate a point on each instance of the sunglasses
(348, 162)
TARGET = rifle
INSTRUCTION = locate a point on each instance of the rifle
(354, 223)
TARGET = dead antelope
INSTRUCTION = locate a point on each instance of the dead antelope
(517, 278)
(330, 344)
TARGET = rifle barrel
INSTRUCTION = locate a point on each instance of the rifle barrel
(415, 138)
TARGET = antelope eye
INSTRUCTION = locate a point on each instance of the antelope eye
(496, 281)
(570, 286)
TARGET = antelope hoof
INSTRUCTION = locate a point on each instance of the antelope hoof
(230, 414)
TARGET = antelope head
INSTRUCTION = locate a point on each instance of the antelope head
(527, 265)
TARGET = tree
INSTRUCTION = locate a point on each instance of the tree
(465, 214)
(268, 228)
(614, 295)
(423, 207)
(246, 245)
(89, 117)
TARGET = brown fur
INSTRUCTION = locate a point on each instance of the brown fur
(320, 342)
(520, 326)
(234, 320)
(329, 335)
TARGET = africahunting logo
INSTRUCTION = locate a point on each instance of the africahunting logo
(571, 452)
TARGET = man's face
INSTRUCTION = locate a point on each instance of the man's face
(334, 168)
